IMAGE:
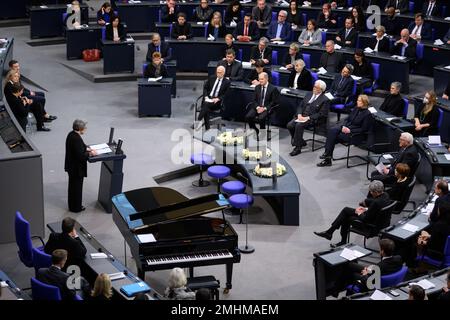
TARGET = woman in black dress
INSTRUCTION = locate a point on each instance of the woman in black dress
(427, 117)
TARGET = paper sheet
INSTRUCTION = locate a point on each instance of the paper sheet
(116, 276)
(434, 139)
(283, 68)
(279, 42)
(284, 91)
(146, 238)
(322, 70)
(154, 79)
(350, 255)
(337, 47)
(380, 167)
(387, 156)
(98, 255)
(447, 67)
(447, 157)
(378, 295)
(246, 65)
(356, 77)
(329, 96)
(101, 148)
(438, 42)
(410, 227)
(368, 50)
(424, 283)
(252, 85)
(3, 284)
(372, 109)
(233, 23)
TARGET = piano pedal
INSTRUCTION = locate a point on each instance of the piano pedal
(226, 291)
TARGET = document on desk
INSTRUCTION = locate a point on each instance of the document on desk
(368, 50)
(398, 57)
(410, 227)
(146, 238)
(43, 7)
(356, 77)
(101, 148)
(436, 140)
(3, 284)
(379, 295)
(154, 79)
(424, 283)
(350, 254)
(380, 167)
(252, 85)
(283, 68)
(322, 70)
(329, 96)
(116, 276)
(372, 109)
(284, 91)
(337, 47)
(98, 255)
(438, 42)
(447, 67)
(279, 42)
(447, 157)
(246, 65)
(387, 156)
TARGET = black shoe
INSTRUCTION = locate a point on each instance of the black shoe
(52, 117)
(192, 126)
(48, 120)
(323, 156)
(324, 234)
(295, 152)
(304, 144)
(340, 243)
(77, 211)
(325, 163)
(83, 208)
(43, 129)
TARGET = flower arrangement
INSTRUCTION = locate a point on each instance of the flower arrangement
(228, 139)
(248, 154)
(266, 172)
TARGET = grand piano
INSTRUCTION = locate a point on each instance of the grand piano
(164, 229)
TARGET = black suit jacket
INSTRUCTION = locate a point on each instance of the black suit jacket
(150, 70)
(209, 85)
(408, 155)
(256, 55)
(326, 24)
(372, 214)
(55, 277)
(434, 216)
(393, 104)
(222, 31)
(237, 73)
(166, 17)
(324, 61)
(304, 81)
(253, 75)
(353, 34)
(287, 58)
(410, 50)
(344, 89)
(163, 49)
(271, 98)
(19, 110)
(383, 46)
(398, 189)
(75, 248)
(390, 264)
(253, 30)
(120, 30)
(76, 155)
(439, 232)
(425, 33)
(317, 109)
(359, 121)
(435, 12)
(403, 5)
(392, 25)
(184, 30)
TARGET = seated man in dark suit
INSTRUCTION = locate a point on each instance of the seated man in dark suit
(406, 46)
(233, 68)
(431, 9)
(279, 30)
(447, 37)
(169, 12)
(246, 30)
(391, 23)
(400, 6)
(419, 29)
(331, 60)
(158, 46)
(346, 37)
(366, 214)
(326, 19)
(213, 94)
(266, 96)
(354, 130)
(441, 190)
(261, 52)
(342, 85)
(253, 76)
(394, 103)
(181, 30)
(262, 13)
(313, 109)
(407, 154)
(68, 240)
(300, 78)
(156, 68)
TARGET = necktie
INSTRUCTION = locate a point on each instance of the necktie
(313, 98)
(403, 50)
(215, 89)
(157, 49)
(430, 8)
(263, 92)
(279, 27)
(396, 4)
(340, 82)
(245, 30)
(262, 54)
(346, 33)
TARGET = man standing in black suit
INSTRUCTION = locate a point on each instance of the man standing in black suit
(405, 46)
(313, 109)
(261, 52)
(266, 96)
(346, 37)
(331, 60)
(233, 68)
(407, 154)
(75, 164)
(158, 46)
(366, 214)
(342, 85)
(68, 240)
(213, 94)
(394, 103)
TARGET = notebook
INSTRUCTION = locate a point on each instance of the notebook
(132, 289)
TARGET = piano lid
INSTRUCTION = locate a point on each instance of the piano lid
(156, 205)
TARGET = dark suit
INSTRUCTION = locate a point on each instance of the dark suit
(370, 216)
(316, 110)
(221, 31)
(110, 33)
(253, 30)
(150, 71)
(383, 45)
(203, 15)
(425, 32)
(352, 35)
(408, 155)
(435, 10)
(403, 5)
(55, 277)
(326, 24)
(439, 232)
(255, 54)
(270, 99)
(76, 167)
(184, 30)
(208, 89)
(233, 71)
(264, 16)
(287, 59)
(19, 110)
(398, 189)
(393, 104)
(341, 88)
(410, 50)
(392, 25)
(304, 80)
(163, 49)
(285, 33)
(76, 251)
(253, 75)
(333, 62)
(364, 70)
(434, 216)
(166, 17)
(359, 122)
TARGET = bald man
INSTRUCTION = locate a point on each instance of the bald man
(405, 46)
(213, 93)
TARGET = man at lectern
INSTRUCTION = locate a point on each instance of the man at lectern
(75, 164)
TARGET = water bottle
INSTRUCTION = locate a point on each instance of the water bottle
(31, 124)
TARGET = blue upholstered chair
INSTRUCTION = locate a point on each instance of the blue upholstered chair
(307, 60)
(324, 38)
(219, 172)
(445, 262)
(275, 78)
(239, 54)
(274, 16)
(411, 6)
(274, 57)
(42, 291)
(390, 280)
(231, 188)
(304, 19)
(241, 201)
(441, 117)
(41, 259)
(347, 106)
(23, 240)
(405, 108)
(376, 77)
(201, 159)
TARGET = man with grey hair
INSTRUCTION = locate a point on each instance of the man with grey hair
(407, 154)
(157, 45)
(213, 93)
(312, 111)
(279, 30)
(262, 13)
(394, 103)
(261, 52)
(75, 164)
(342, 85)
(331, 60)
(366, 213)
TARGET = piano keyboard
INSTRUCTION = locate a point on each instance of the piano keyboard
(189, 257)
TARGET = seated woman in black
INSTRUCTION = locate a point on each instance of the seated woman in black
(18, 105)
(156, 68)
(229, 45)
(252, 78)
(215, 26)
(399, 187)
(427, 118)
(358, 19)
(293, 17)
(361, 67)
(300, 77)
(181, 30)
(115, 30)
(104, 14)
(233, 12)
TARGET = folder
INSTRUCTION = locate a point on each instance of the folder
(132, 289)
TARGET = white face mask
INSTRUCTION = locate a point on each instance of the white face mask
(425, 100)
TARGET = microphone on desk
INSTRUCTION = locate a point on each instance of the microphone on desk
(247, 248)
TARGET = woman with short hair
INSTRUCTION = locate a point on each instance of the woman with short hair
(176, 289)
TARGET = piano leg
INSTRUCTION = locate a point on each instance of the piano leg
(141, 274)
(229, 269)
(191, 272)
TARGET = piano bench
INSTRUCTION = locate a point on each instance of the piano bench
(209, 282)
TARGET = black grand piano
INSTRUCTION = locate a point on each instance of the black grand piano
(164, 229)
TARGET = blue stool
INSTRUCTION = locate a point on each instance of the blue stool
(230, 188)
(201, 159)
(218, 172)
(241, 201)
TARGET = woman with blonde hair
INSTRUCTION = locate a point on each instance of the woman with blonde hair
(102, 288)
(176, 289)
(427, 117)
(215, 27)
